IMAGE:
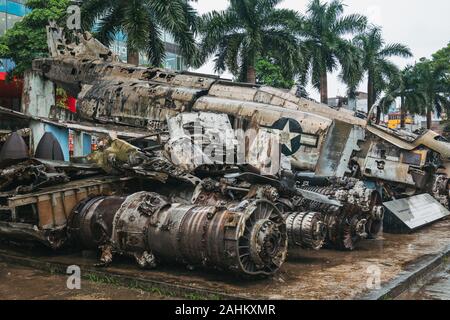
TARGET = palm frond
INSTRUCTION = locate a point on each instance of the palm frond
(135, 24)
(284, 19)
(155, 49)
(349, 24)
(94, 10)
(334, 10)
(244, 9)
(109, 26)
(264, 6)
(395, 49)
(213, 27)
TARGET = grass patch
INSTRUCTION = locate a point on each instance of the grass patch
(136, 285)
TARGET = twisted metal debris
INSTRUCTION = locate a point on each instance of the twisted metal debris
(232, 173)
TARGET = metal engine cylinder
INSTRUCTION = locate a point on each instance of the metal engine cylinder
(360, 217)
(90, 223)
(306, 230)
(249, 239)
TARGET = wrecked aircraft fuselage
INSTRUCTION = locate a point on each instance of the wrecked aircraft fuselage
(231, 173)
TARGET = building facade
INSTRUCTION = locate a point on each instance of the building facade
(11, 11)
(173, 60)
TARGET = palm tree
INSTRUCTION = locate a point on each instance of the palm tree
(434, 83)
(247, 31)
(407, 88)
(143, 23)
(374, 57)
(324, 31)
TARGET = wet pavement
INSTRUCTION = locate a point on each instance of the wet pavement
(436, 287)
(307, 275)
(21, 283)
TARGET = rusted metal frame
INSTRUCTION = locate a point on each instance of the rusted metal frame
(22, 229)
(52, 206)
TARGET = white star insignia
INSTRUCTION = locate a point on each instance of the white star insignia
(287, 136)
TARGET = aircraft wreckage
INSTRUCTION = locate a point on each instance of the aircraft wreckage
(203, 171)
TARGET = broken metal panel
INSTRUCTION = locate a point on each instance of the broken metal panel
(72, 74)
(435, 142)
(413, 213)
(104, 130)
(387, 162)
(184, 79)
(198, 139)
(391, 138)
(212, 127)
(341, 144)
(408, 141)
(263, 153)
(388, 170)
(86, 46)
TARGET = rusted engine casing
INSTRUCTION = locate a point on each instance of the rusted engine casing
(249, 239)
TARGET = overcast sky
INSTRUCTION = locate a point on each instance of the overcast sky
(423, 25)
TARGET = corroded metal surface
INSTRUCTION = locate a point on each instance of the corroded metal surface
(306, 230)
(311, 137)
(248, 239)
(234, 161)
(359, 217)
(42, 216)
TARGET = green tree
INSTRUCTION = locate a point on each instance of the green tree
(407, 88)
(247, 31)
(270, 73)
(27, 39)
(434, 83)
(443, 56)
(324, 34)
(375, 54)
(143, 23)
